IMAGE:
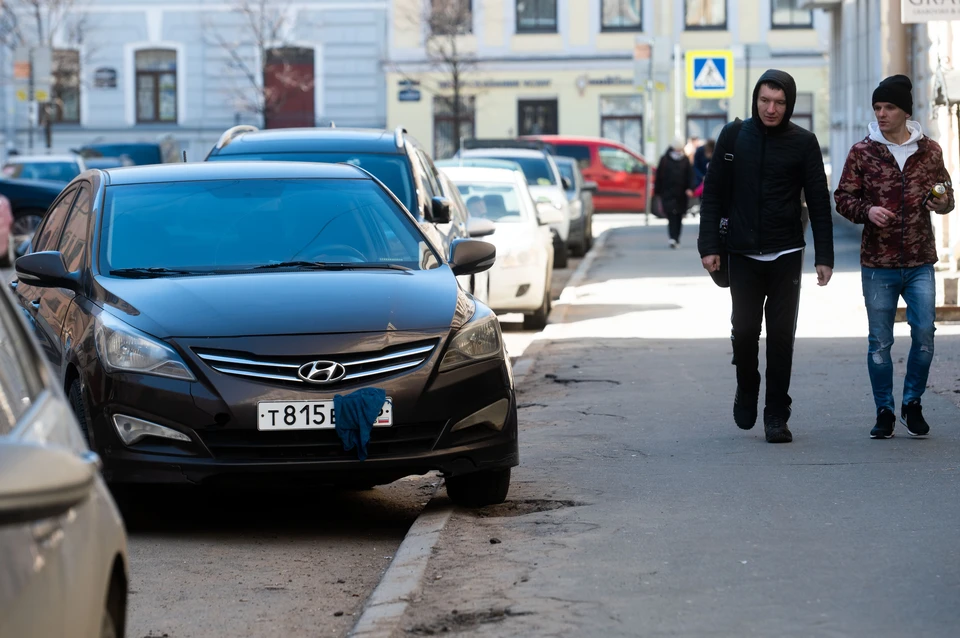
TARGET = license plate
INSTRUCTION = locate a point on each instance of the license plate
(308, 415)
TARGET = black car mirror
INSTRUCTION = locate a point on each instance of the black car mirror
(440, 210)
(38, 482)
(567, 184)
(46, 270)
(470, 256)
(590, 186)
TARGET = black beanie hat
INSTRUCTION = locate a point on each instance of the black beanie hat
(895, 90)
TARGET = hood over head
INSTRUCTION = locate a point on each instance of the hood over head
(780, 79)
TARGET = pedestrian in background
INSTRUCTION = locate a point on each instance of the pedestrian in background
(701, 159)
(673, 185)
(766, 160)
(887, 185)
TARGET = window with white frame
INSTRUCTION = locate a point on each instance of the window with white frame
(451, 17)
(621, 120)
(787, 14)
(705, 14)
(65, 93)
(156, 85)
(536, 16)
(621, 15)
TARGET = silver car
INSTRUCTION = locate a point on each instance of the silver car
(63, 547)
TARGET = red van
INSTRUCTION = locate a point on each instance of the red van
(621, 174)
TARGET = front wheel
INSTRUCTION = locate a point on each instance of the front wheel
(488, 487)
(538, 320)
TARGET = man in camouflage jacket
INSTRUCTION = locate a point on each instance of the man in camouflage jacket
(886, 185)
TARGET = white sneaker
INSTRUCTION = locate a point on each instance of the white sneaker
(673, 243)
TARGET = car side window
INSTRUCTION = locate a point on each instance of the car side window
(73, 241)
(20, 384)
(49, 231)
(432, 184)
(616, 160)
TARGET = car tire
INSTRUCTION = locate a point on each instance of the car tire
(80, 409)
(487, 487)
(580, 248)
(6, 260)
(30, 217)
(560, 252)
(538, 320)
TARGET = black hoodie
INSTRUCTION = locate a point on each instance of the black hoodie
(771, 166)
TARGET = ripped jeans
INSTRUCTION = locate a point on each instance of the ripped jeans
(882, 289)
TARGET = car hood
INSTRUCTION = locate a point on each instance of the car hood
(283, 303)
(556, 194)
(512, 236)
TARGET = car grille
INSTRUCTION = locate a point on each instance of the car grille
(366, 366)
(245, 445)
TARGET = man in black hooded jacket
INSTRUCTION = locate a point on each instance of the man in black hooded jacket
(770, 163)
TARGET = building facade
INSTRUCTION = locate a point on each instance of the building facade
(139, 71)
(869, 42)
(568, 67)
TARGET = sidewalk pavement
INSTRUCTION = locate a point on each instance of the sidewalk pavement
(639, 509)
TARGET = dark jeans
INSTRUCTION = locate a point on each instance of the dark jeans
(882, 289)
(675, 223)
(771, 287)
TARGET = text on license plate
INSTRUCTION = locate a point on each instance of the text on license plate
(308, 415)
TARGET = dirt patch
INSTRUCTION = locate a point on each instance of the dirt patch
(456, 621)
(522, 508)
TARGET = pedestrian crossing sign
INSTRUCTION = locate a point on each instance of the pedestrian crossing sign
(709, 74)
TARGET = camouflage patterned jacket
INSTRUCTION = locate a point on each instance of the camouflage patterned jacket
(872, 177)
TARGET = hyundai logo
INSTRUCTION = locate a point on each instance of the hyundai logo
(321, 372)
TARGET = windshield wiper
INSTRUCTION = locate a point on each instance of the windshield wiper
(325, 265)
(151, 272)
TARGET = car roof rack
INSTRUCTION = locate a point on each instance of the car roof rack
(398, 134)
(531, 145)
(233, 132)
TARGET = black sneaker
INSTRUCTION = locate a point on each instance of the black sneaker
(884, 427)
(775, 427)
(911, 415)
(745, 409)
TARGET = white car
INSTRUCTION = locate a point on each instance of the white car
(63, 547)
(477, 285)
(520, 278)
(53, 168)
(546, 185)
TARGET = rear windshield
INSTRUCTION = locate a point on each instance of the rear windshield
(576, 151)
(393, 170)
(54, 171)
(535, 169)
(226, 225)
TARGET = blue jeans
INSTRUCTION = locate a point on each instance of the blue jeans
(882, 288)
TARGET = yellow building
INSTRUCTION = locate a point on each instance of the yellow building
(568, 66)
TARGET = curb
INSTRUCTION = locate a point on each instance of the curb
(403, 580)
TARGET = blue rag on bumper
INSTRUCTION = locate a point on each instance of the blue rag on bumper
(355, 414)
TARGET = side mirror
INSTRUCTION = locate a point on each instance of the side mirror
(46, 270)
(38, 482)
(480, 227)
(440, 210)
(590, 186)
(567, 184)
(470, 256)
(547, 213)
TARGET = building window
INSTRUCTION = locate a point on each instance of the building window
(451, 17)
(803, 111)
(537, 117)
(65, 94)
(706, 118)
(786, 14)
(536, 16)
(621, 120)
(445, 143)
(156, 85)
(706, 14)
(288, 96)
(621, 15)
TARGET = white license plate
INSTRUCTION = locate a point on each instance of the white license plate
(308, 415)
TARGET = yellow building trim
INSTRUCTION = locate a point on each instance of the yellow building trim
(536, 42)
(580, 24)
(616, 41)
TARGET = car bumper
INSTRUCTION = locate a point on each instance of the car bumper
(506, 283)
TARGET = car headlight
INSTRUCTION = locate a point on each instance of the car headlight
(515, 258)
(477, 340)
(123, 348)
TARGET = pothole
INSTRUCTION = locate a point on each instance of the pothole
(524, 507)
(457, 621)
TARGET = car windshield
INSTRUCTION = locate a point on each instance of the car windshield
(54, 171)
(393, 169)
(535, 169)
(497, 202)
(230, 225)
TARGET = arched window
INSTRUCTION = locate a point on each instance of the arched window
(288, 88)
(156, 71)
